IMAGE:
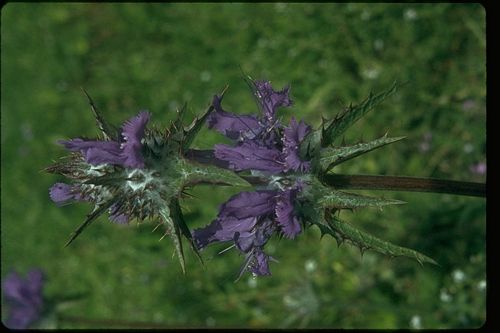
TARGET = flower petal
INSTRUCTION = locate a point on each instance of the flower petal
(96, 152)
(270, 99)
(232, 125)
(259, 264)
(285, 215)
(116, 216)
(62, 193)
(292, 137)
(133, 132)
(250, 156)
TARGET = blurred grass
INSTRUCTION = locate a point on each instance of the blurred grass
(158, 56)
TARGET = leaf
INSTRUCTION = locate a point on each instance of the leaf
(193, 129)
(198, 173)
(310, 145)
(172, 229)
(109, 131)
(330, 157)
(91, 217)
(367, 241)
(108, 179)
(178, 218)
(339, 199)
(333, 129)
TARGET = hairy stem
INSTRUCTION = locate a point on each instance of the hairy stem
(367, 182)
(402, 183)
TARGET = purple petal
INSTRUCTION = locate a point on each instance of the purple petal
(260, 263)
(250, 156)
(133, 132)
(21, 317)
(285, 215)
(222, 230)
(232, 125)
(96, 152)
(24, 297)
(116, 216)
(62, 193)
(270, 100)
(12, 285)
(237, 218)
(248, 204)
(292, 137)
(96, 156)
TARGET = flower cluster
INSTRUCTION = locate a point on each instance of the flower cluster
(138, 173)
(263, 145)
(24, 298)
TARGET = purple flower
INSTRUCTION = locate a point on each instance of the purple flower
(116, 216)
(285, 213)
(478, 168)
(24, 297)
(249, 219)
(232, 125)
(62, 193)
(126, 153)
(270, 100)
(292, 137)
(250, 156)
(263, 144)
(238, 215)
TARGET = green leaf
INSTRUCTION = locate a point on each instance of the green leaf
(193, 129)
(172, 229)
(178, 218)
(98, 210)
(109, 131)
(310, 145)
(365, 241)
(332, 156)
(200, 173)
(339, 199)
(333, 129)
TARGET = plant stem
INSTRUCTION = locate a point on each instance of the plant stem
(402, 183)
(367, 182)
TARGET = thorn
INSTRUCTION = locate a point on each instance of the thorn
(157, 226)
(165, 234)
(224, 91)
(226, 249)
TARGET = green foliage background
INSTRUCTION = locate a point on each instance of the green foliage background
(158, 56)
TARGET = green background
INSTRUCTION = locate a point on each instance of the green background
(158, 56)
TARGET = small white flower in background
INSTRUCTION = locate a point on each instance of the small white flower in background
(444, 296)
(410, 14)
(468, 148)
(481, 285)
(205, 76)
(378, 44)
(252, 282)
(371, 73)
(210, 321)
(310, 265)
(458, 276)
(416, 322)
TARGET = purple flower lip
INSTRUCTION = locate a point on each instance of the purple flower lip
(62, 193)
(293, 136)
(24, 298)
(270, 100)
(127, 153)
(249, 219)
(250, 156)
